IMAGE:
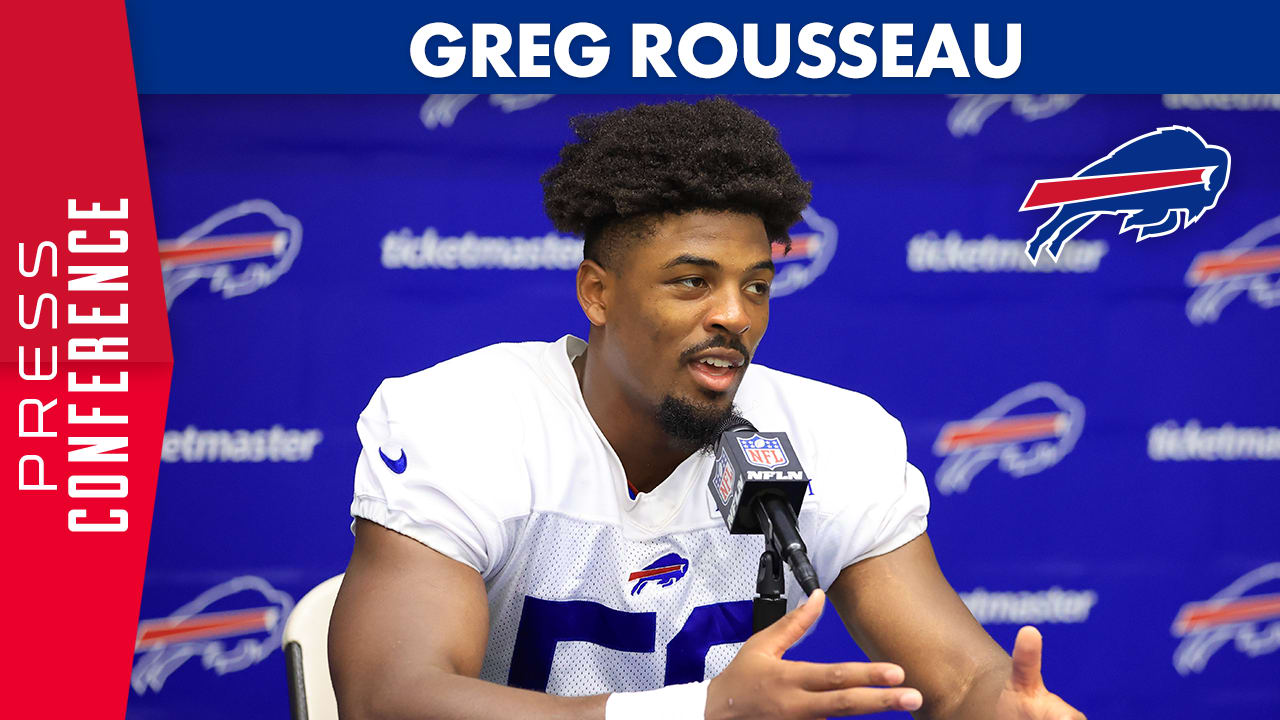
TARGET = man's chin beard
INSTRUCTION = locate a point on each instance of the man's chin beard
(692, 425)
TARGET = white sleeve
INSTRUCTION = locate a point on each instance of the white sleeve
(432, 469)
(873, 500)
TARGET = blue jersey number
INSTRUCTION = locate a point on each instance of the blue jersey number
(544, 623)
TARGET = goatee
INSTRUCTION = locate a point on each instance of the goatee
(695, 426)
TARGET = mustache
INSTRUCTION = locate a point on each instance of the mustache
(718, 341)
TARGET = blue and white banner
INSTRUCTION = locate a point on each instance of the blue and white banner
(928, 46)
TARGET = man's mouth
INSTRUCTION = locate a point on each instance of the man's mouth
(717, 371)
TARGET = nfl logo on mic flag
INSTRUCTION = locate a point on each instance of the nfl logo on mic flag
(763, 452)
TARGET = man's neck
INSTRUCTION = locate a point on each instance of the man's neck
(648, 455)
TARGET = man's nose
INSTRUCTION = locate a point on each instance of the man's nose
(729, 314)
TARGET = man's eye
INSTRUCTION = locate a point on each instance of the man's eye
(758, 288)
(692, 282)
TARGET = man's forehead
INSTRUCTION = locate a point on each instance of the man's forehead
(726, 238)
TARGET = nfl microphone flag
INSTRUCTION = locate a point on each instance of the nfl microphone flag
(90, 386)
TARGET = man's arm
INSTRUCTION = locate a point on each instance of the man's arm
(898, 607)
(410, 625)
(408, 637)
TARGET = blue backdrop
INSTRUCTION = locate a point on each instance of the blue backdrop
(1099, 433)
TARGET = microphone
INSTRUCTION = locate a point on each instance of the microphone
(758, 486)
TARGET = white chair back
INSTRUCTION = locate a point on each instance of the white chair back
(306, 652)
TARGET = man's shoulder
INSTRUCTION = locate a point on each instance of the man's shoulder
(460, 427)
(854, 452)
(506, 391)
(503, 371)
(809, 403)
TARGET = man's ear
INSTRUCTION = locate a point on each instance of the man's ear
(594, 288)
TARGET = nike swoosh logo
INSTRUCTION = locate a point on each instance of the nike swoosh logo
(397, 466)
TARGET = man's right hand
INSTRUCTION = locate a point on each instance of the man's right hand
(760, 684)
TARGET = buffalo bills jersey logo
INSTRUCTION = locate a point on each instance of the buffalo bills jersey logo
(1250, 264)
(665, 571)
(1237, 614)
(763, 452)
(1028, 430)
(1159, 181)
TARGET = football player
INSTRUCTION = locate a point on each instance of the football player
(534, 534)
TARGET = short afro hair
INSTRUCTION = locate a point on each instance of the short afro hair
(634, 164)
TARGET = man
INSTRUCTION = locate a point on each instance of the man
(535, 515)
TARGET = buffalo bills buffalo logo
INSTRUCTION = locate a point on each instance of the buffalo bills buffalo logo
(813, 244)
(1249, 265)
(239, 250)
(1158, 181)
(1239, 615)
(1026, 431)
(229, 627)
(665, 571)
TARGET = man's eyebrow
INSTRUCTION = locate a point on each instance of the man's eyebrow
(687, 259)
(763, 265)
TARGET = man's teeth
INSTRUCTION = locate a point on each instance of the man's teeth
(716, 362)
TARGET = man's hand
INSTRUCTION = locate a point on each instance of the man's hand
(1024, 696)
(760, 684)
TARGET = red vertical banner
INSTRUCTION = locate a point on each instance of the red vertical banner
(88, 360)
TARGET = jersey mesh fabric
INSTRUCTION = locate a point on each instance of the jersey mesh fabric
(541, 510)
(562, 558)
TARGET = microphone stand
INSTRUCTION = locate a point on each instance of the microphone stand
(770, 602)
(780, 540)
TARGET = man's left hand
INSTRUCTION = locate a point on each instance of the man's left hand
(1024, 696)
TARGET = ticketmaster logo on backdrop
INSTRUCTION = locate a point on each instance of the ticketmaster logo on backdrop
(926, 252)
(1054, 605)
(1221, 102)
(274, 444)
(1171, 441)
(470, 251)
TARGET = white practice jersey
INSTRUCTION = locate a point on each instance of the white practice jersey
(493, 459)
